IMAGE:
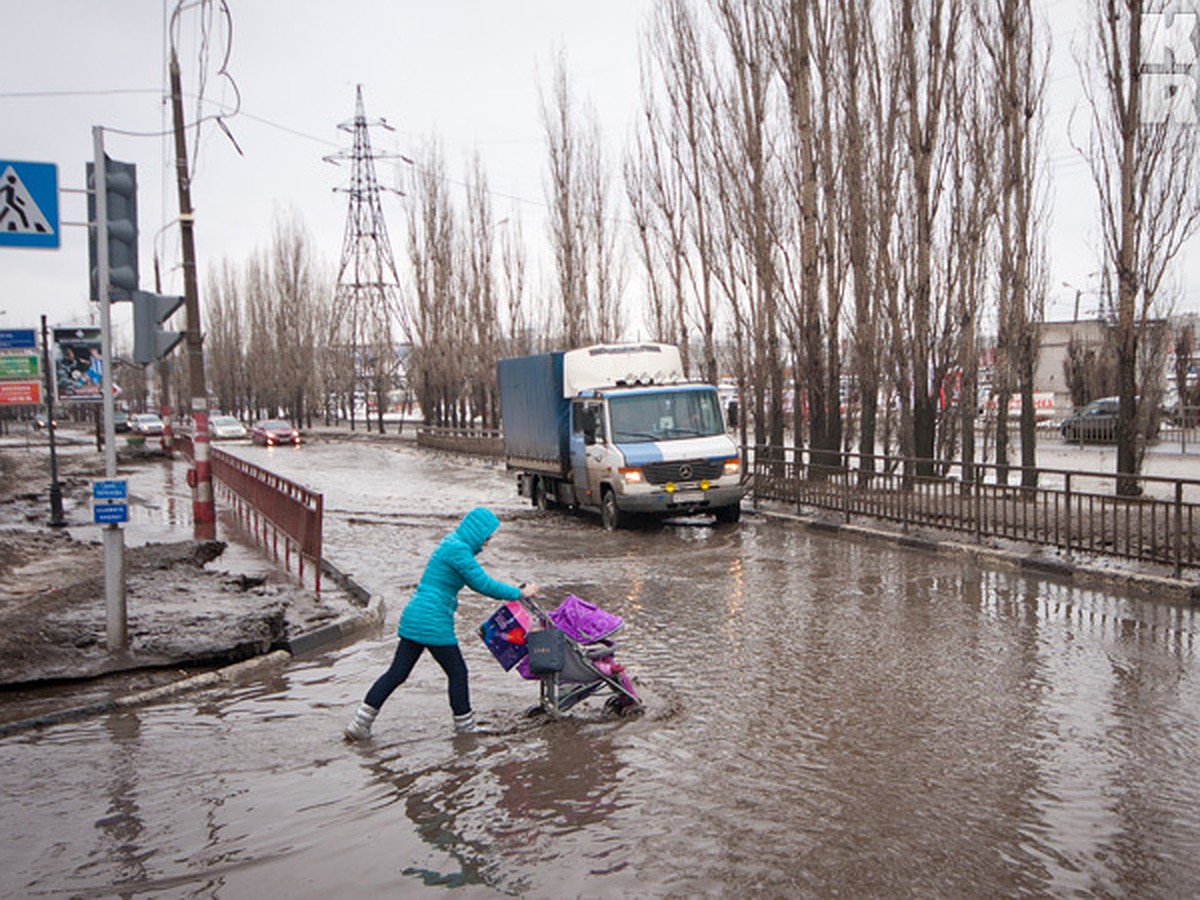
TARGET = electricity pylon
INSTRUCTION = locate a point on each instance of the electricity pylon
(366, 301)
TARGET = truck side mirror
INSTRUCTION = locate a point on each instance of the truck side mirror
(588, 420)
(733, 413)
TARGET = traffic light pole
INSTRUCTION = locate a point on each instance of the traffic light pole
(114, 538)
(204, 518)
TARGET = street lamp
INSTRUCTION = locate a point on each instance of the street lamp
(1079, 292)
(56, 507)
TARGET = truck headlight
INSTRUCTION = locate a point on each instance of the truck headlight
(632, 476)
(733, 466)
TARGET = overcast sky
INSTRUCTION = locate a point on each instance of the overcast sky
(467, 72)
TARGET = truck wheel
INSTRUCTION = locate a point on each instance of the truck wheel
(729, 514)
(612, 517)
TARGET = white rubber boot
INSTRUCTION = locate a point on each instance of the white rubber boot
(359, 728)
(465, 724)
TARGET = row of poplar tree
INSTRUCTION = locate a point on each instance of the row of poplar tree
(835, 204)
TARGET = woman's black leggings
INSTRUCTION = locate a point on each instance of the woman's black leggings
(448, 656)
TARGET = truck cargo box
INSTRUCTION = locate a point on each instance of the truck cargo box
(536, 415)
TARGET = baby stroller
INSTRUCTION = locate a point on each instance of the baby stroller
(571, 653)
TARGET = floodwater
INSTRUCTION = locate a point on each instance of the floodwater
(824, 716)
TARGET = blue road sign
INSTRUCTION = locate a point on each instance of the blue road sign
(17, 339)
(110, 513)
(108, 490)
(28, 204)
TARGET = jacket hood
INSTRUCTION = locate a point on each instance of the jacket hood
(476, 527)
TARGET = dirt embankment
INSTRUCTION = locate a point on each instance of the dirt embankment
(181, 609)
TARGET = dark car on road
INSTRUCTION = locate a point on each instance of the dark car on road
(273, 432)
(1097, 422)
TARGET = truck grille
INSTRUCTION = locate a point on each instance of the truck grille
(685, 470)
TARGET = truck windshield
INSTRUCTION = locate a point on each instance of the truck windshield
(665, 416)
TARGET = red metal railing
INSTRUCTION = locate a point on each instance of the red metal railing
(269, 507)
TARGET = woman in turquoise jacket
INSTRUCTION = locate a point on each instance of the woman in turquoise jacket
(427, 621)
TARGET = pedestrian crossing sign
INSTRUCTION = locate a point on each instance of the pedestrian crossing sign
(28, 204)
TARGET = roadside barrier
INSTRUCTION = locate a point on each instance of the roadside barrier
(270, 507)
(476, 441)
(1158, 522)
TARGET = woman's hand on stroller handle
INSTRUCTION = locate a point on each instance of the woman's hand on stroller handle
(530, 589)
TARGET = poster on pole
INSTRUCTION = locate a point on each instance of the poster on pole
(78, 366)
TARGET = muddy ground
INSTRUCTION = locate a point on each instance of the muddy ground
(183, 609)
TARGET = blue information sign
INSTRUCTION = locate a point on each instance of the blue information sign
(109, 513)
(17, 339)
(109, 490)
(28, 204)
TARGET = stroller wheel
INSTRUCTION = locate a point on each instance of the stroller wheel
(619, 706)
(535, 712)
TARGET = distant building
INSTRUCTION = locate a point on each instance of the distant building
(1054, 337)
(1050, 373)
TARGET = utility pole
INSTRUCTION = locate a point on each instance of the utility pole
(116, 633)
(204, 519)
(366, 300)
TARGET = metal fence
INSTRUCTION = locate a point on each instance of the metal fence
(477, 441)
(271, 508)
(1077, 511)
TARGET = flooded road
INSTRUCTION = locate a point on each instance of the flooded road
(825, 715)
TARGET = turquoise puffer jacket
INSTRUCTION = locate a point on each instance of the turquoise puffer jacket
(428, 617)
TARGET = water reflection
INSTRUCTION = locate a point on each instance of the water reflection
(122, 826)
(496, 809)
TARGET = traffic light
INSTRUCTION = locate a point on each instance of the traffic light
(121, 197)
(150, 342)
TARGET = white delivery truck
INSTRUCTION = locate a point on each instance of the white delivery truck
(617, 429)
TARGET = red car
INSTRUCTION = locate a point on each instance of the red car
(272, 432)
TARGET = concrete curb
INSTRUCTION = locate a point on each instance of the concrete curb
(141, 698)
(372, 616)
(333, 632)
(1155, 587)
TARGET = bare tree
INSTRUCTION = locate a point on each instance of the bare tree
(870, 134)
(590, 279)
(224, 339)
(295, 298)
(566, 201)
(1144, 158)
(481, 299)
(680, 145)
(971, 224)
(744, 163)
(657, 223)
(928, 54)
(1008, 31)
(796, 23)
(433, 361)
(521, 323)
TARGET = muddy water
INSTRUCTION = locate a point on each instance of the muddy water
(824, 716)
